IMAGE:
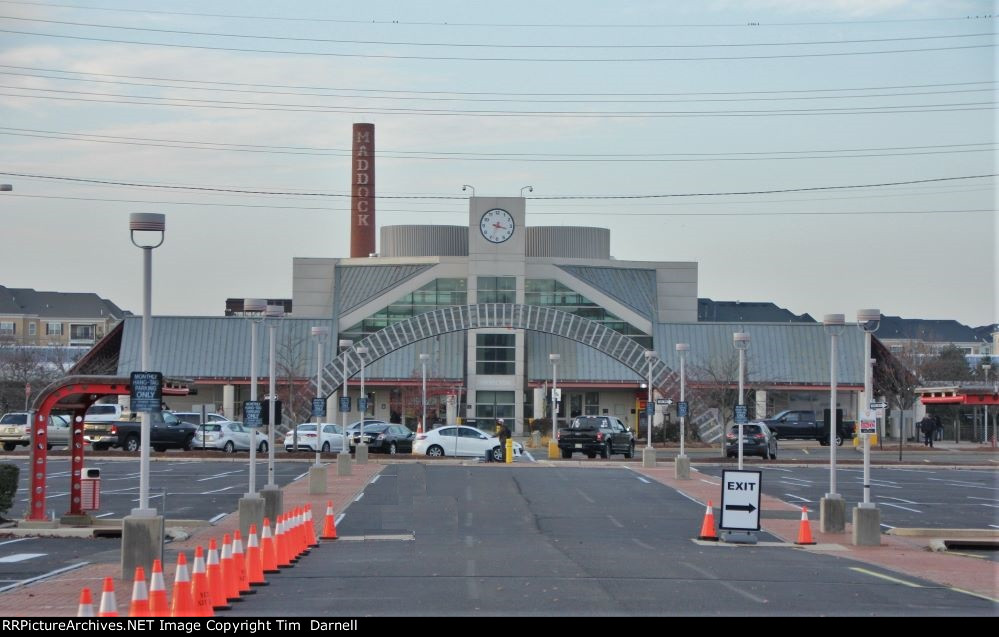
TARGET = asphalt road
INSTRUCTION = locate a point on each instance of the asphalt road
(907, 497)
(443, 541)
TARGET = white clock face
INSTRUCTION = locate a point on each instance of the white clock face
(496, 225)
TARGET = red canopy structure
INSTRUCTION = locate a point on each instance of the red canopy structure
(959, 395)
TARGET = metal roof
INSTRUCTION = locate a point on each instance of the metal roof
(792, 353)
(940, 331)
(753, 311)
(633, 287)
(57, 304)
(578, 362)
(358, 283)
(447, 359)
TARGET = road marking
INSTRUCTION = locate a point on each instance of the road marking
(104, 515)
(798, 482)
(971, 497)
(643, 544)
(958, 483)
(791, 495)
(616, 523)
(21, 539)
(218, 475)
(20, 557)
(994, 526)
(887, 526)
(710, 576)
(710, 482)
(218, 490)
(299, 476)
(373, 480)
(779, 469)
(899, 506)
(586, 497)
(691, 498)
(470, 583)
(339, 519)
(974, 594)
(643, 479)
(217, 518)
(899, 499)
(989, 505)
(949, 552)
(37, 578)
(359, 496)
(529, 456)
(54, 495)
(885, 577)
(807, 452)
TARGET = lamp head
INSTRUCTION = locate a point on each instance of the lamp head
(320, 332)
(274, 311)
(147, 229)
(682, 347)
(869, 320)
(833, 324)
(424, 357)
(345, 343)
(554, 358)
(361, 351)
(740, 340)
(651, 355)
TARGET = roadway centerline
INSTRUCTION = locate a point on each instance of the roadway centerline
(218, 475)
(899, 506)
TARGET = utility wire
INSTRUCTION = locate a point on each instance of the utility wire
(212, 83)
(595, 197)
(481, 45)
(965, 18)
(386, 56)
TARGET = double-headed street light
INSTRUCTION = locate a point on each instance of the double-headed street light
(321, 333)
(253, 310)
(649, 454)
(423, 419)
(274, 313)
(740, 340)
(832, 509)
(361, 449)
(866, 517)
(345, 343)
(553, 442)
(682, 466)
(986, 367)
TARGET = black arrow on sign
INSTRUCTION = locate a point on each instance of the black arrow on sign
(748, 508)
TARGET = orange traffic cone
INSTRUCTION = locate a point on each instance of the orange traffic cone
(281, 542)
(109, 605)
(140, 595)
(215, 581)
(708, 527)
(804, 529)
(182, 605)
(239, 560)
(158, 606)
(86, 607)
(310, 527)
(419, 426)
(230, 580)
(329, 524)
(254, 559)
(302, 543)
(201, 590)
(268, 549)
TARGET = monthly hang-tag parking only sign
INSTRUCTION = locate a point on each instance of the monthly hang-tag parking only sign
(740, 500)
(146, 391)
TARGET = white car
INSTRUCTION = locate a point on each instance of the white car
(332, 439)
(228, 436)
(194, 417)
(460, 440)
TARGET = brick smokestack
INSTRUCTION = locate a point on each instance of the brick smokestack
(362, 191)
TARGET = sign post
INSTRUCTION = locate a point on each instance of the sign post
(740, 505)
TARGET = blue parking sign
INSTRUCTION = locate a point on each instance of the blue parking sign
(345, 404)
(681, 409)
(318, 407)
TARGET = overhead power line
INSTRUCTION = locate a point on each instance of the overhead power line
(450, 23)
(458, 58)
(110, 182)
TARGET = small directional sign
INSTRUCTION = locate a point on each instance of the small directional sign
(740, 500)
(664, 401)
(881, 405)
(147, 391)
(344, 404)
(253, 413)
(318, 407)
(741, 414)
(681, 409)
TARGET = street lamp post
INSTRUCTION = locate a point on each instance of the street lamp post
(251, 506)
(866, 516)
(361, 452)
(649, 454)
(832, 508)
(142, 531)
(553, 442)
(317, 473)
(682, 466)
(741, 342)
(272, 494)
(423, 419)
(986, 367)
(343, 458)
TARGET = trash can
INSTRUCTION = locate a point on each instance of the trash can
(90, 489)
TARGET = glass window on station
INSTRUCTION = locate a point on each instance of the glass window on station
(551, 293)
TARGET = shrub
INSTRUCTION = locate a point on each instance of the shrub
(9, 475)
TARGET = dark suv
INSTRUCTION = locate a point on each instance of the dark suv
(757, 440)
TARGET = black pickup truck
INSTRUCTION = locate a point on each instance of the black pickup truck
(591, 435)
(166, 431)
(806, 425)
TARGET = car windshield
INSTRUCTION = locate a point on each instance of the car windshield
(588, 423)
(747, 429)
(375, 428)
(484, 433)
(203, 428)
(102, 410)
(14, 419)
(302, 428)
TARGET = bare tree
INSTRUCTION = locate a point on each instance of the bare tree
(296, 393)
(714, 384)
(896, 376)
(21, 366)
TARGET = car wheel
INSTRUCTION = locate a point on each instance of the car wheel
(839, 441)
(263, 447)
(436, 451)
(49, 447)
(606, 451)
(159, 448)
(630, 453)
(230, 447)
(392, 448)
(567, 453)
(498, 454)
(765, 454)
(591, 454)
(7, 446)
(773, 454)
(824, 443)
(326, 447)
(188, 444)
(132, 443)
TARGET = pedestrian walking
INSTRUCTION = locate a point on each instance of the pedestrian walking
(503, 433)
(927, 427)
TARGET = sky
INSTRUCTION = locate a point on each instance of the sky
(825, 155)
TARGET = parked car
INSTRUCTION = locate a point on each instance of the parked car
(460, 440)
(355, 426)
(228, 436)
(806, 425)
(166, 432)
(105, 412)
(384, 437)
(194, 417)
(757, 440)
(591, 435)
(331, 438)
(15, 430)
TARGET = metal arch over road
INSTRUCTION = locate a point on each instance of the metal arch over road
(507, 316)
